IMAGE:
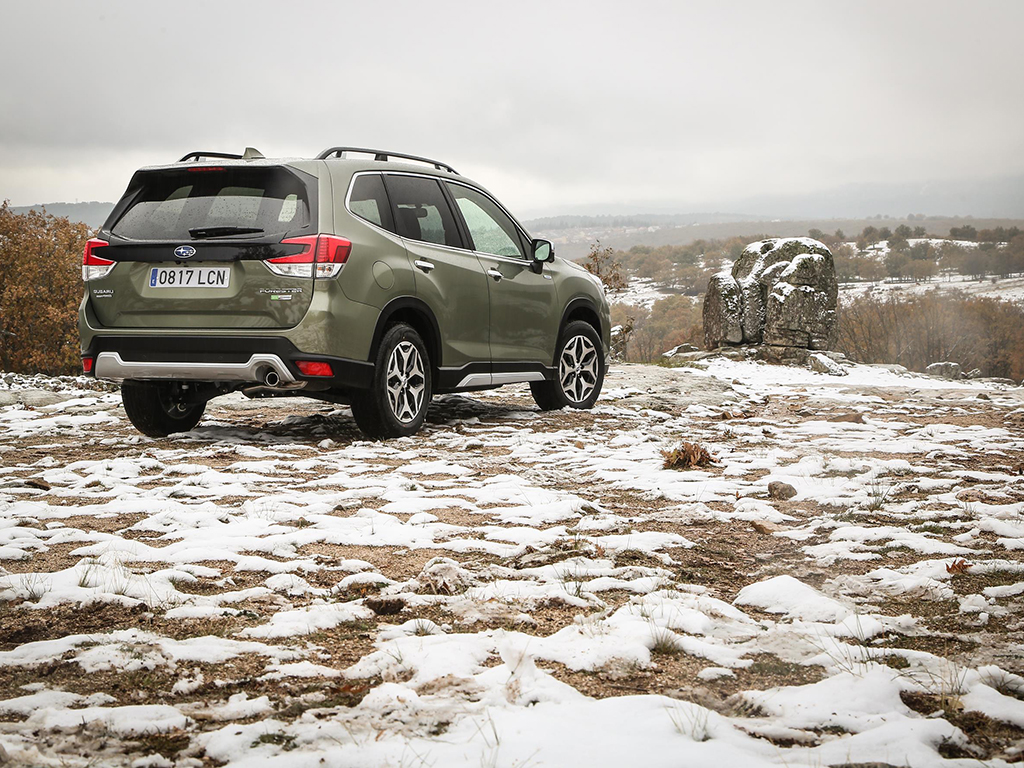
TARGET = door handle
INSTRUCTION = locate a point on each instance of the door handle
(495, 274)
(426, 266)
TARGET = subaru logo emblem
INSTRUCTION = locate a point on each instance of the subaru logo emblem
(184, 252)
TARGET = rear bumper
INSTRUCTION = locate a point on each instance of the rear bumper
(110, 365)
(218, 359)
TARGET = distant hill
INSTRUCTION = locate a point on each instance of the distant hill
(92, 213)
(631, 220)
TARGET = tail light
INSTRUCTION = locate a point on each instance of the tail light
(93, 267)
(322, 255)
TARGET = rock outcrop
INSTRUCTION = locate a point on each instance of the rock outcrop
(779, 292)
(944, 370)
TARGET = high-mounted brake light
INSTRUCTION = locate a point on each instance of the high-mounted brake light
(322, 255)
(93, 267)
(204, 168)
(313, 368)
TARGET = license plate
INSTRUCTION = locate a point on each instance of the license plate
(187, 277)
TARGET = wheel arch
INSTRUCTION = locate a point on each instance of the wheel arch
(414, 312)
(583, 309)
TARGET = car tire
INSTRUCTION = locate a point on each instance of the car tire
(152, 409)
(396, 403)
(579, 370)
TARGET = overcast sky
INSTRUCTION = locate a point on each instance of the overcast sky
(553, 106)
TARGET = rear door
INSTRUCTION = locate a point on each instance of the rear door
(449, 276)
(191, 243)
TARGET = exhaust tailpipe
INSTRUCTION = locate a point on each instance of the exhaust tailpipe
(271, 378)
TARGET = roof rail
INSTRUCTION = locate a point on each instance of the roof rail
(380, 154)
(200, 155)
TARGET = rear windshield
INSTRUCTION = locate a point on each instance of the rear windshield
(200, 203)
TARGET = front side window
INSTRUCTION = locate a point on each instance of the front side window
(170, 205)
(369, 201)
(489, 226)
(421, 210)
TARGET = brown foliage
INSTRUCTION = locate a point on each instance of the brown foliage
(915, 331)
(669, 322)
(687, 455)
(601, 263)
(958, 567)
(40, 289)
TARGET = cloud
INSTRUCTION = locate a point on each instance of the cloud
(548, 103)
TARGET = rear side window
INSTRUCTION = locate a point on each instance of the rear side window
(422, 211)
(369, 201)
(165, 205)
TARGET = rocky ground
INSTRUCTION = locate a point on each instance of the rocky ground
(841, 584)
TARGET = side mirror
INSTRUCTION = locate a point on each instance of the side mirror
(543, 252)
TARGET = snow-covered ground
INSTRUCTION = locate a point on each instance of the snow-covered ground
(1011, 289)
(517, 588)
(640, 292)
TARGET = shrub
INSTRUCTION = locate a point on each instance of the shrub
(915, 331)
(602, 264)
(40, 289)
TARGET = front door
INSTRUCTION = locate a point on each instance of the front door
(524, 317)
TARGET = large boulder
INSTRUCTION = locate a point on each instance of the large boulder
(781, 292)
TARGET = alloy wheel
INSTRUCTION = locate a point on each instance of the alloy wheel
(406, 382)
(577, 368)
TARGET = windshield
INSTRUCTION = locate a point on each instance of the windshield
(200, 203)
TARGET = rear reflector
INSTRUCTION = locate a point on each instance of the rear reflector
(311, 368)
(327, 252)
(93, 267)
(87, 364)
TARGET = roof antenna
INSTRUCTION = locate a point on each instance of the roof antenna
(252, 154)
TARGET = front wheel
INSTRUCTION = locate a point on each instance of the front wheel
(396, 403)
(579, 371)
(157, 409)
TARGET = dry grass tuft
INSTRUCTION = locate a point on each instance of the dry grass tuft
(687, 455)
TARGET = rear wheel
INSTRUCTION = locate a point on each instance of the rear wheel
(579, 372)
(396, 403)
(157, 408)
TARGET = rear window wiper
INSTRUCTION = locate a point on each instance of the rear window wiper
(200, 232)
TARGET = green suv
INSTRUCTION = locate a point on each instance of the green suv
(375, 282)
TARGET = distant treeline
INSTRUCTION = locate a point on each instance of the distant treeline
(999, 251)
(996, 235)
